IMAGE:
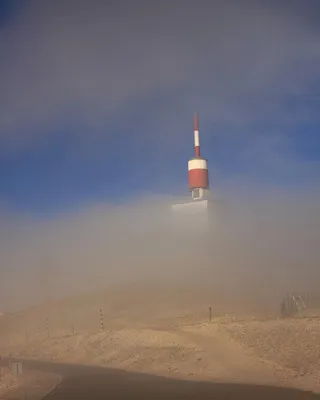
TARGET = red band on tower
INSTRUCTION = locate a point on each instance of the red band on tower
(196, 122)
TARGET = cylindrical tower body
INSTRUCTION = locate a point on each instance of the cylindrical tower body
(198, 173)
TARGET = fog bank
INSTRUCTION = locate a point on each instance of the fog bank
(266, 244)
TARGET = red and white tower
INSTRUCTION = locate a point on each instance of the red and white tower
(198, 167)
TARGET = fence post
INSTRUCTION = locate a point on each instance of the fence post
(101, 321)
(48, 327)
(210, 313)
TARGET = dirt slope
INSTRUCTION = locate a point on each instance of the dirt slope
(168, 338)
(292, 344)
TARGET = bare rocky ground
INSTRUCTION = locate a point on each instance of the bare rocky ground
(293, 343)
(7, 381)
(161, 335)
(32, 385)
(291, 347)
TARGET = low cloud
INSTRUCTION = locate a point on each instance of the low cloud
(264, 244)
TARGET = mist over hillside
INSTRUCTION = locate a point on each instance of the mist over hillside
(265, 244)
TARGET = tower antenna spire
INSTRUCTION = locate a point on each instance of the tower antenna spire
(196, 135)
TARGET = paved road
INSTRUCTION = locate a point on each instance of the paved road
(86, 382)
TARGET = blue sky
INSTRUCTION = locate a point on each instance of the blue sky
(97, 98)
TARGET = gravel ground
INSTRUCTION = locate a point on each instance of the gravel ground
(32, 385)
(145, 339)
(7, 381)
(292, 344)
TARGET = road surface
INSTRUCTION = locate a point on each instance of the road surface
(87, 382)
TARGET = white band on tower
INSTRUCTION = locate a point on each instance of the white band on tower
(197, 164)
(196, 139)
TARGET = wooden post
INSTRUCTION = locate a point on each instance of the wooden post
(47, 327)
(101, 321)
(210, 313)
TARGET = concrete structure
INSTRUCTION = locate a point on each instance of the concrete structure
(194, 216)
